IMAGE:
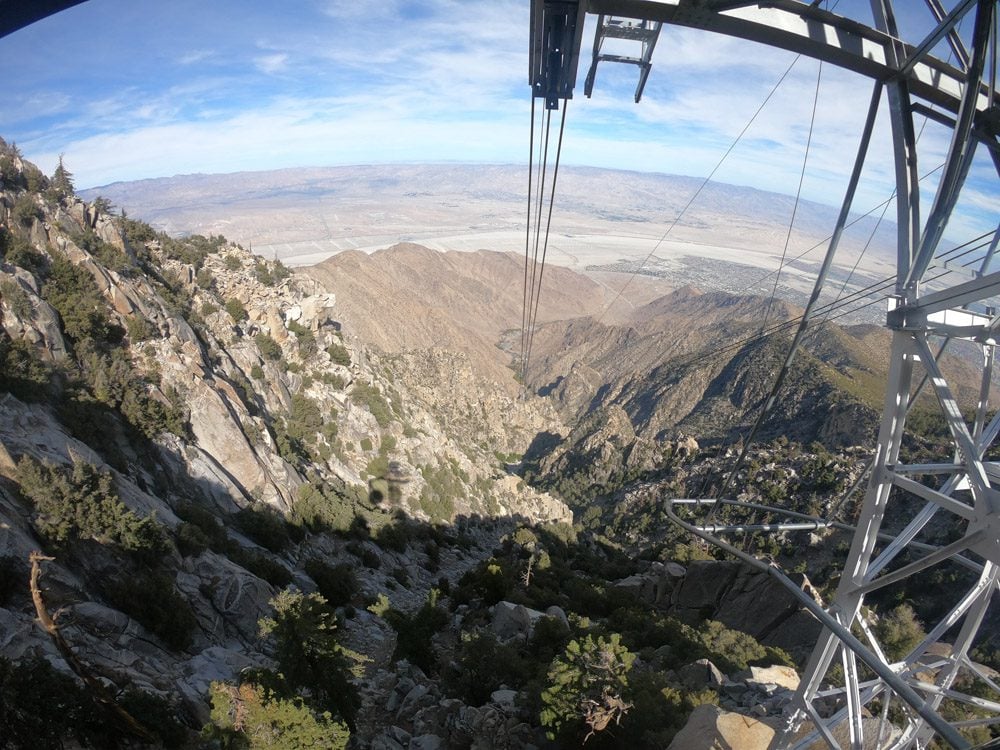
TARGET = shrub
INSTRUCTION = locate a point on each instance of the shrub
(733, 650)
(305, 338)
(136, 232)
(378, 466)
(270, 275)
(26, 210)
(482, 665)
(304, 419)
(269, 348)
(549, 637)
(153, 413)
(205, 279)
(264, 526)
(34, 179)
(191, 541)
(414, 632)
(236, 310)
(320, 507)
(23, 373)
(81, 503)
(18, 252)
(256, 372)
(370, 397)
(138, 328)
(899, 631)
(69, 712)
(487, 582)
(339, 354)
(72, 291)
(393, 536)
(333, 380)
(442, 484)
(254, 718)
(289, 447)
(309, 657)
(360, 529)
(16, 299)
(207, 524)
(109, 256)
(157, 714)
(659, 710)
(369, 558)
(191, 250)
(261, 566)
(231, 263)
(586, 689)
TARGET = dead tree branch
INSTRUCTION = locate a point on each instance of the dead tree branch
(97, 689)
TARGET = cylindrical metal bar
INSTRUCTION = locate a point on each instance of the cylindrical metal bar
(844, 635)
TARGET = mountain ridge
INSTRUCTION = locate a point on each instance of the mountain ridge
(264, 524)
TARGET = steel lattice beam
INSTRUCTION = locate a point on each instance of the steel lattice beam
(959, 98)
(806, 29)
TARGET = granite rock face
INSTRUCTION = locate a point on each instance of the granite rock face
(272, 399)
(711, 728)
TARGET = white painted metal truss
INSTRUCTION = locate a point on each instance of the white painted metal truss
(851, 692)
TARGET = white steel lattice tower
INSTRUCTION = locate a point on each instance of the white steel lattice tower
(852, 694)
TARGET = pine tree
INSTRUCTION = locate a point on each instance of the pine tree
(309, 656)
(586, 689)
(62, 180)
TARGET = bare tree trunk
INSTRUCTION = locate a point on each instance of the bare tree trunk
(97, 689)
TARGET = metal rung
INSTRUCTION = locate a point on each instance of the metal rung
(644, 33)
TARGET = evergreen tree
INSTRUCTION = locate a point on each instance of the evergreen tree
(587, 689)
(62, 181)
(251, 718)
(309, 657)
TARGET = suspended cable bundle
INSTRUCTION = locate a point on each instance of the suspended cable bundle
(554, 53)
(536, 242)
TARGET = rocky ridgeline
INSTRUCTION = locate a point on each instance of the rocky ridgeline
(232, 382)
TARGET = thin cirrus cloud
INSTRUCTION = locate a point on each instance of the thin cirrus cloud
(225, 86)
(276, 62)
(194, 56)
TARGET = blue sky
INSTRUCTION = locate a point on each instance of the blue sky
(130, 89)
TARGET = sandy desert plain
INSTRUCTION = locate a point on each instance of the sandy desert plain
(615, 226)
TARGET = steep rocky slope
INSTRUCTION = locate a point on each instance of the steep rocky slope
(246, 508)
(182, 421)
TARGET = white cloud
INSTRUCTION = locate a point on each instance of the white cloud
(447, 80)
(276, 62)
(21, 111)
(195, 56)
(289, 132)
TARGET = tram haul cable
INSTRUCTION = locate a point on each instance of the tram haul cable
(533, 279)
